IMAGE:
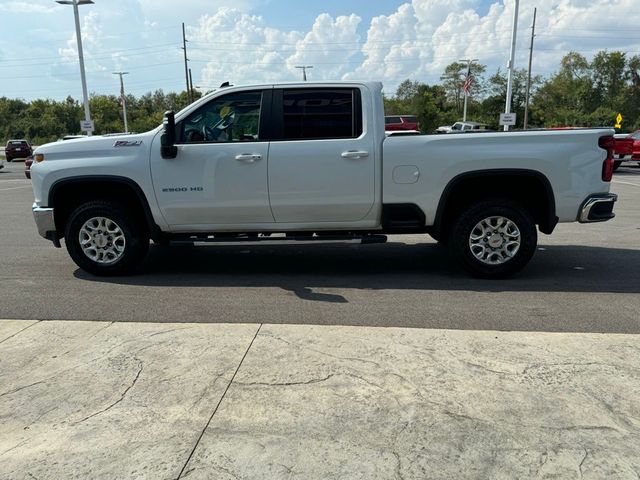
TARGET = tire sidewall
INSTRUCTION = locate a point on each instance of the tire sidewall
(459, 241)
(136, 242)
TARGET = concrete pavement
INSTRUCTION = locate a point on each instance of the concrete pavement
(257, 401)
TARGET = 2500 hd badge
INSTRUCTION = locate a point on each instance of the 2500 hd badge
(182, 189)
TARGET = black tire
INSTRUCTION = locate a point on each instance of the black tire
(616, 164)
(460, 239)
(8, 159)
(132, 237)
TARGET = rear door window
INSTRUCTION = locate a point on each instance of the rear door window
(321, 113)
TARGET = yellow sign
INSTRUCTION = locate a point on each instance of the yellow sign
(618, 121)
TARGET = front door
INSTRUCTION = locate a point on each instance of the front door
(321, 160)
(219, 176)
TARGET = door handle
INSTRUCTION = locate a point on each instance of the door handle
(248, 157)
(355, 154)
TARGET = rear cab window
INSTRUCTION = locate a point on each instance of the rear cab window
(317, 113)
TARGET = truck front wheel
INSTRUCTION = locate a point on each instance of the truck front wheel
(103, 239)
(494, 238)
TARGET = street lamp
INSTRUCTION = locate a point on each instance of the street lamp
(304, 69)
(87, 112)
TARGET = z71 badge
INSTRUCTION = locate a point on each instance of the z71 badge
(127, 143)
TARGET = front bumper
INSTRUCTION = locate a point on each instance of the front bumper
(598, 208)
(46, 223)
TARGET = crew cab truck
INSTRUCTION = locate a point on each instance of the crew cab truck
(310, 163)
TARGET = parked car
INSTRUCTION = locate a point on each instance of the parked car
(623, 149)
(401, 122)
(17, 149)
(463, 127)
(635, 136)
(27, 166)
(315, 168)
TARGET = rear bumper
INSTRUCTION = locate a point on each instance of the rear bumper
(46, 224)
(598, 208)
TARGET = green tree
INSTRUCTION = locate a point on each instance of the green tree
(452, 80)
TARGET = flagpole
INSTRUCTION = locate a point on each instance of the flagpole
(467, 86)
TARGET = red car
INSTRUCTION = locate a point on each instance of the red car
(27, 166)
(17, 149)
(401, 122)
(627, 148)
(635, 155)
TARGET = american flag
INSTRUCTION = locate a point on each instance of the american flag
(466, 86)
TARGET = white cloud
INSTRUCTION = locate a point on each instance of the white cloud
(92, 36)
(422, 37)
(27, 7)
(228, 41)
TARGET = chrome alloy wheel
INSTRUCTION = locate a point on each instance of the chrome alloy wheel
(102, 240)
(494, 240)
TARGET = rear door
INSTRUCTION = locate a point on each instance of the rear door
(321, 158)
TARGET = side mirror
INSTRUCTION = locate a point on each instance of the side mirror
(168, 147)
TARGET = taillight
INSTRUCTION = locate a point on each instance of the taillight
(608, 143)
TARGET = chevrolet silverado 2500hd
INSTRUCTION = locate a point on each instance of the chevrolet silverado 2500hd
(310, 163)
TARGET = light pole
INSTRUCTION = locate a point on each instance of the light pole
(76, 3)
(304, 70)
(511, 57)
(123, 99)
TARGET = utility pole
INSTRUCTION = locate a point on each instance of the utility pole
(526, 105)
(186, 68)
(304, 70)
(467, 85)
(123, 100)
(511, 58)
(190, 83)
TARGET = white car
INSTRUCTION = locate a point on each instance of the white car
(311, 160)
(463, 127)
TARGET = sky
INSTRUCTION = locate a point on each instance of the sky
(257, 41)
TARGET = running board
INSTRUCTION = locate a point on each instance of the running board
(288, 240)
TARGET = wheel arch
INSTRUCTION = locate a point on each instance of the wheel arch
(65, 195)
(530, 188)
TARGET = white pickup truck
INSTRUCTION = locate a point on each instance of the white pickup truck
(310, 163)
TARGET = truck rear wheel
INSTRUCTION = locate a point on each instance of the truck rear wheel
(494, 238)
(103, 239)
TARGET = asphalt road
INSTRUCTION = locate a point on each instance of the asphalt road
(584, 278)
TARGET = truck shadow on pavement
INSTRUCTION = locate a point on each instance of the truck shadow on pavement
(428, 266)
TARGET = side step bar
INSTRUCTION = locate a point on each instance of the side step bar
(211, 241)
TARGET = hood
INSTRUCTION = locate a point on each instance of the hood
(97, 146)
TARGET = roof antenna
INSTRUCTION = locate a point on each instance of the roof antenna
(226, 84)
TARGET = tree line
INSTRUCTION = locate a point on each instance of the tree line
(581, 93)
(41, 121)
